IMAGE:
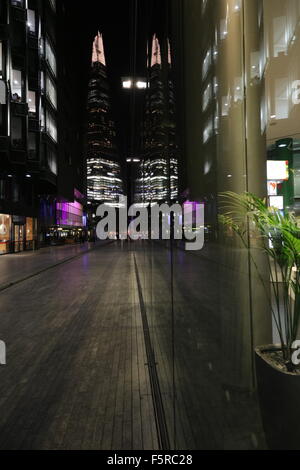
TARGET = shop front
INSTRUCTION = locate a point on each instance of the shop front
(70, 224)
(17, 233)
(64, 235)
(5, 234)
(284, 175)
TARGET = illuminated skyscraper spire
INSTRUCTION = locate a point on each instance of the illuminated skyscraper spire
(98, 50)
(156, 54)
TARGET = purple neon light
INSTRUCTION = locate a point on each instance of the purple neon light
(69, 214)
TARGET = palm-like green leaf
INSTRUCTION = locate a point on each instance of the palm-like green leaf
(280, 240)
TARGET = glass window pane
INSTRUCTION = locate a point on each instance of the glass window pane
(1, 60)
(32, 102)
(50, 57)
(16, 86)
(17, 3)
(42, 120)
(51, 126)
(52, 161)
(31, 21)
(5, 227)
(51, 91)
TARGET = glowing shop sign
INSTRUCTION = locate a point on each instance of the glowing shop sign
(277, 170)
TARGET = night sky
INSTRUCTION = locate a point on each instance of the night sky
(114, 18)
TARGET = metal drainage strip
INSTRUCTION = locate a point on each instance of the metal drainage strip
(160, 417)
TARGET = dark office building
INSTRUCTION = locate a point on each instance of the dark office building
(104, 181)
(38, 162)
(158, 174)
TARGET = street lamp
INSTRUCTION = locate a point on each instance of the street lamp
(128, 83)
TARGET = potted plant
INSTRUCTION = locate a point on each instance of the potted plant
(277, 369)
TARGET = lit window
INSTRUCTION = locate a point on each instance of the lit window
(281, 98)
(208, 132)
(31, 21)
(17, 3)
(297, 176)
(238, 89)
(216, 87)
(207, 96)
(16, 85)
(225, 106)
(42, 82)
(237, 6)
(51, 91)
(223, 29)
(42, 119)
(42, 46)
(280, 35)
(2, 100)
(1, 60)
(216, 118)
(206, 64)
(52, 161)
(51, 127)
(255, 65)
(32, 102)
(50, 56)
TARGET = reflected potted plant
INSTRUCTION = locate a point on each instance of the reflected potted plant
(277, 366)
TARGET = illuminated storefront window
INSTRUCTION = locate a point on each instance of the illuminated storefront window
(5, 233)
(31, 233)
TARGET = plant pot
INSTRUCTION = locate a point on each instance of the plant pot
(279, 399)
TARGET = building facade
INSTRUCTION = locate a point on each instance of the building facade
(32, 138)
(104, 179)
(282, 104)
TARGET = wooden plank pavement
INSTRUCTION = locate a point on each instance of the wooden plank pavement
(76, 376)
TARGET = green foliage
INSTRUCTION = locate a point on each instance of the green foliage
(279, 237)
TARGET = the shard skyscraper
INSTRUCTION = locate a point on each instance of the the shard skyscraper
(104, 180)
(158, 174)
